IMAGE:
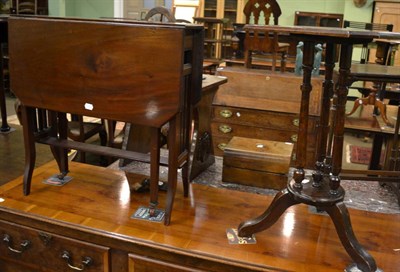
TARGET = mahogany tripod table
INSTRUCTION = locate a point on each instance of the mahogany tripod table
(322, 189)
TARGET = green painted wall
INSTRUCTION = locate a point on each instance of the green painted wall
(57, 7)
(345, 7)
(82, 8)
(105, 8)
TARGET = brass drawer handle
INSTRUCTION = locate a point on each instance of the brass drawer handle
(296, 122)
(294, 157)
(8, 241)
(86, 261)
(294, 138)
(222, 146)
(225, 129)
(225, 113)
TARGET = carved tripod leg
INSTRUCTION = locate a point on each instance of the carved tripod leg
(28, 114)
(283, 200)
(357, 103)
(382, 109)
(340, 217)
(172, 169)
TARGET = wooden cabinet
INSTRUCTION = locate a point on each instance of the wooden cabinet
(318, 19)
(229, 10)
(42, 6)
(254, 104)
(387, 12)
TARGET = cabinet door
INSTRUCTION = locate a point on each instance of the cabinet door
(145, 264)
(210, 8)
(224, 9)
(387, 13)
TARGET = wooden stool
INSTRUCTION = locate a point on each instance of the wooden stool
(255, 162)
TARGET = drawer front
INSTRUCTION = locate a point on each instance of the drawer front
(257, 118)
(46, 251)
(146, 264)
(219, 144)
(230, 130)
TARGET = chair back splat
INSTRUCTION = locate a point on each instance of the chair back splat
(260, 43)
(254, 9)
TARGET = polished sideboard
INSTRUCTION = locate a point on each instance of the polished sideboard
(89, 218)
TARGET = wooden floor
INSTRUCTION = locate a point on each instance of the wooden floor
(12, 155)
(301, 240)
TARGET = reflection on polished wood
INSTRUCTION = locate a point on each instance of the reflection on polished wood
(96, 206)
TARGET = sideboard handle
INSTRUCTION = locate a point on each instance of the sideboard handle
(222, 146)
(296, 122)
(8, 240)
(225, 113)
(86, 261)
(225, 129)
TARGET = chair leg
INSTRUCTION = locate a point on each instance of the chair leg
(62, 134)
(154, 168)
(247, 58)
(28, 114)
(172, 169)
(104, 161)
(53, 122)
(103, 137)
(185, 178)
(283, 61)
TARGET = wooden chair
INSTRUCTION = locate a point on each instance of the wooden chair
(366, 26)
(162, 14)
(159, 14)
(263, 42)
(26, 6)
(213, 41)
(111, 70)
(81, 131)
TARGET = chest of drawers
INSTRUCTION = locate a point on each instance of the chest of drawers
(264, 106)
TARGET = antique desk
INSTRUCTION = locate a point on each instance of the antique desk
(322, 189)
(114, 70)
(3, 39)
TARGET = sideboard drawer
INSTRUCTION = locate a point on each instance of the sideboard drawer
(230, 130)
(45, 251)
(259, 118)
(142, 264)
